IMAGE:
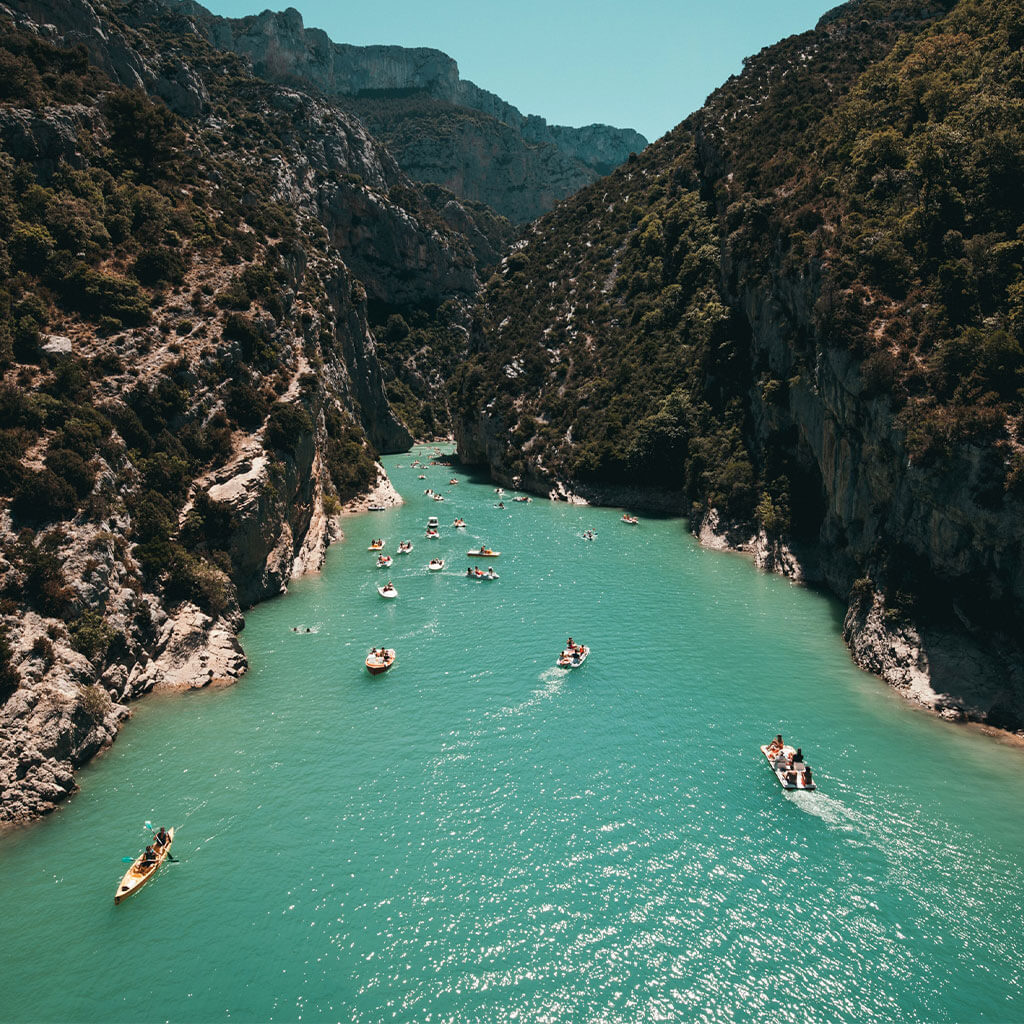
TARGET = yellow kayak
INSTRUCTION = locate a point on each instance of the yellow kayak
(137, 876)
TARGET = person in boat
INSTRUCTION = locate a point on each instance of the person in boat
(798, 756)
(149, 858)
(161, 839)
(776, 744)
(791, 778)
(807, 780)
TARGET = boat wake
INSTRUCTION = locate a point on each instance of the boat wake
(552, 679)
(830, 809)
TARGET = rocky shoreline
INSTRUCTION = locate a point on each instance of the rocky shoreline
(917, 661)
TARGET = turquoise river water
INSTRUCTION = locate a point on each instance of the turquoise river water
(477, 835)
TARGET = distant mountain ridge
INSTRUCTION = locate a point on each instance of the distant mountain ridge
(541, 163)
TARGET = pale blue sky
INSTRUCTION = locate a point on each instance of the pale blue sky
(643, 64)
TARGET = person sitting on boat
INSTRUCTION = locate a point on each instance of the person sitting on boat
(161, 839)
(807, 780)
(798, 756)
(149, 858)
(776, 744)
(781, 761)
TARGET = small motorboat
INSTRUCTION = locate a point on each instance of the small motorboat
(404, 547)
(573, 657)
(374, 508)
(459, 524)
(432, 523)
(484, 552)
(790, 773)
(433, 534)
(388, 590)
(380, 659)
(137, 875)
(384, 562)
(376, 545)
(435, 564)
(438, 497)
(630, 520)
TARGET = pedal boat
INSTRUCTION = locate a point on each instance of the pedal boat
(387, 590)
(378, 662)
(483, 553)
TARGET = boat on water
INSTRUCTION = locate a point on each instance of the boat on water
(483, 553)
(435, 564)
(376, 545)
(422, 476)
(630, 520)
(478, 574)
(432, 523)
(404, 547)
(137, 875)
(788, 765)
(453, 481)
(380, 659)
(433, 534)
(573, 656)
(523, 498)
(374, 508)
(459, 524)
(388, 590)
(384, 562)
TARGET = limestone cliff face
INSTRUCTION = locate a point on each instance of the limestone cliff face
(462, 137)
(956, 650)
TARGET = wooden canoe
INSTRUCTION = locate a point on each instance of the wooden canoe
(137, 876)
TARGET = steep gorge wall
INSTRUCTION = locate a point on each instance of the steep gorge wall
(517, 164)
